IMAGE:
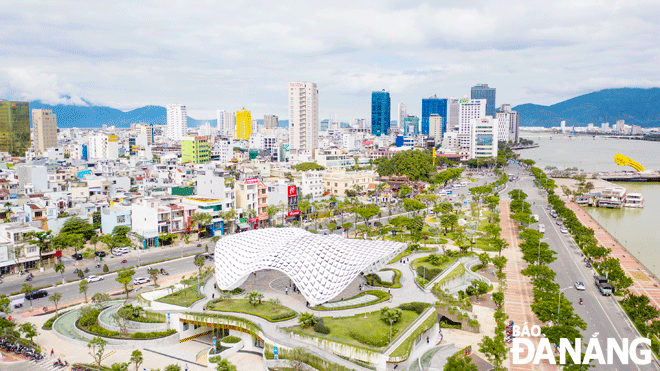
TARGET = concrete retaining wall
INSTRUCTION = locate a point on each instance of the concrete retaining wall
(131, 326)
(132, 343)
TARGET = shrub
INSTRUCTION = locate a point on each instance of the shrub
(88, 317)
(358, 336)
(416, 307)
(151, 335)
(321, 328)
(48, 325)
(215, 359)
(230, 339)
(428, 273)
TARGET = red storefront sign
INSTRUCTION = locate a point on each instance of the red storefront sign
(292, 191)
(252, 220)
(251, 181)
(293, 213)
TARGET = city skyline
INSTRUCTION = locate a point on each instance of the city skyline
(130, 56)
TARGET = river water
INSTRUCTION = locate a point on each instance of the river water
(633, 228)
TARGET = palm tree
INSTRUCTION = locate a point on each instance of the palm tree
(59, 268)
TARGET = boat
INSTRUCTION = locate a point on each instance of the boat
(635, 200)
(612, 197)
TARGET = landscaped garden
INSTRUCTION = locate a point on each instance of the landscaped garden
(186, 296)
(395, 284)
(380, 295)
(89, 322)
(271, 310)
(431, 266)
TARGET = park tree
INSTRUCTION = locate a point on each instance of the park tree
(417, 165)
(199, 263)
(498, 299)
(447, 176)
(153, 274)
(307, 319)
(55, 298)
(639, 308)
(83, 286)
(484, 258)
(255, 298)
(97, 349)
(225, 365)
(413, 205)
(119, 366)
(368, 211)
(59, 268)
(28, 329)
(78, 226)
(499, 262)
(494, 348)
(137, 359)
(458, 362)
(124, 277)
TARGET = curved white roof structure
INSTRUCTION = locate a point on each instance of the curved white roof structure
(321, 266)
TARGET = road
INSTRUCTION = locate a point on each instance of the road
(604, 317)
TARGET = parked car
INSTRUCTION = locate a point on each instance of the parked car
(100, 254)
(36, 294)
(94, 278)
(141, 280)
(117, 252)
(77, 256)
(580, 286)
(563, 230)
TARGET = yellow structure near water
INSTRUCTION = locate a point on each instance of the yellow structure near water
(622, 160)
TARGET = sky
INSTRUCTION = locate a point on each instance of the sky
(211, 55)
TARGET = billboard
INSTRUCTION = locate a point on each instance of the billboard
(294, 213)
(251, 181)
(292, 191)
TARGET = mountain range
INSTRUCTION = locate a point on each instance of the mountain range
(634, 105)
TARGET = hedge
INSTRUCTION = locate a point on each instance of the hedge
(230, 339)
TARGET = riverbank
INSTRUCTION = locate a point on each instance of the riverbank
(644, 282)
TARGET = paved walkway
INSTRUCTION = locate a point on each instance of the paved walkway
(643, 280)
(518, 295)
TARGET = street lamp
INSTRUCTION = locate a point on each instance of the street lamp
(559, 300)
(541, 239)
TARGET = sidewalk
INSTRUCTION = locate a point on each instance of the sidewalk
(518, 295)
(643, 280)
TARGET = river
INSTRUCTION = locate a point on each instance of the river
(633, 228)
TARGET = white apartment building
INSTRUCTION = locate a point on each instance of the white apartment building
(215, 184)
(508, 119)
(303, 116)
(103, 146)
(333, 158)
(435, 127)
(450, 140)
(310, 183)
(483, 137)
(263, 142)
(470, 109)
(177, 121)
(453, 114)
(619, 126)
(403, 113)
(147, 130)
(44, 129)
(348, 141)
(229, 124)
(204, 129)
(220, 121)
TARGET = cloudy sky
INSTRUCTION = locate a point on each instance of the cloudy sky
(232, 54)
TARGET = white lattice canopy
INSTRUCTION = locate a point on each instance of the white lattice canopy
(321, 266)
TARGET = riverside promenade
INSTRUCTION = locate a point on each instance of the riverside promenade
(643, 281)
(518, 296)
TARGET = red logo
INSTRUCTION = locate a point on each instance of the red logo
(293, 213)
(251, 181)
(292, 191)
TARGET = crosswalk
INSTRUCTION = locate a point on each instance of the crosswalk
(47, 364)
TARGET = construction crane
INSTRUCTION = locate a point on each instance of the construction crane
(622, 160)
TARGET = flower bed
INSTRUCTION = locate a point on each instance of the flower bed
(272, 312)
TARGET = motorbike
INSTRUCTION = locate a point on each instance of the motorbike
(86, 270)
(124, 261)
(98, 265)
(75, 271)
(28, 278)
(16, 306)
(60, 363)
(199, 245)
(580, 301)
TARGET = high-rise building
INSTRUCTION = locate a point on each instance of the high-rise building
(605, 127)
(436, 124)
(482, 91)
(380, 113)
(243, 124)
(619, 126)
(483, 137)
(195, 149)
(303, 116)
(271, 122)
(44, 129)
(230, 124)
(403, 113)
(411, 125)
(433, 105)
(177, 121)
(103, 146)
(452, 121)
(220, 121)
(508, 120)
(469, 109)
(14, 127)
(324, 125)
(147, 129)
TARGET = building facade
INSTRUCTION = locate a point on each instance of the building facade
(243, 124)
(103, 146)
(483, 137)
(436, 127)
(403, 113)
(195, 149)
(177, 121)
(411, 125)
(482, 91)
(508, 123)
(147, 130)
(430, 106)
(303, 116)
(271, 122)
(453, 114)
(14, 127)
(380, 113)
(469, 109)
(44, 129)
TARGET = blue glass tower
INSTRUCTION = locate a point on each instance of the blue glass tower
(482, 91)
(430, 106)
(380, 113)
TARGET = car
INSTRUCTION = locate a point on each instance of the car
(36, 294)
(141, 280)
(563, 230)
(579, 286)
(560, 222)
(117, 252)
(77, 256)
(100, 254)
(94, 278)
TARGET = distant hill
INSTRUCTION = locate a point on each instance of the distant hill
(636, 106)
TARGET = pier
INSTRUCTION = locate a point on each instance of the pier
(630, 177)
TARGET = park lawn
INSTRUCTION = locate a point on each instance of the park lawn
(270, 311)
(395, 285)
(403, 350)
(423, 280)
(458, 271)
(370, 333)
(184, 298)
(482, 244)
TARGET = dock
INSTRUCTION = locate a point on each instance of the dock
(630, 176)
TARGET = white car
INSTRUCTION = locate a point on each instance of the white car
(141, 280)
(563, 230)
(579, 286)
(94, 278)
(117, 252)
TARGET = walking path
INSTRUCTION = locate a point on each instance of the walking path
(643, 280)
(519, 294)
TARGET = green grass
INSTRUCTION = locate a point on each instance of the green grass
(458, 271)
(271, 312)
(377, 282)
(403, 350)
(403, 254)
(184, 298)
(370, 333)
(382, 296)
(482, 244)
(425, 279)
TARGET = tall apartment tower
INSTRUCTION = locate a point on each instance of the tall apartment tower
(271, 122)
(433, 105)
(452, 121)
(44, 129)
(147, 129)
(303, 116)
(220, 121)
(469, 109)
(508, 120)
(403, 113)
(177, 121)
(243, 124)
(380, 113)
(482, 91)
(436, 123)
(14, 127)
(230, 124)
